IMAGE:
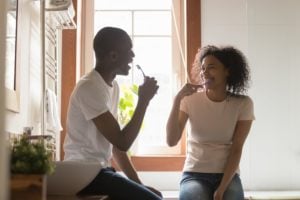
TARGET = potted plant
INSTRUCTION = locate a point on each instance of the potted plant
(30, 163)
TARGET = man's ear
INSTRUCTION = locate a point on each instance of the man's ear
(113, 55)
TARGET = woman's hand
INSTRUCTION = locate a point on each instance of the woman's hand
(188, 89)
(218, 195)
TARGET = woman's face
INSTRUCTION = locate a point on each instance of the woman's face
(213, 73)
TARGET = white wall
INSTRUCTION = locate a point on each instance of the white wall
(267, 31)
(30, 70)
(30, 82)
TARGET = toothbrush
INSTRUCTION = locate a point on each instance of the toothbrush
(140, 68)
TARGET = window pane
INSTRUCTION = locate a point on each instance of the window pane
(154, 55)
(152, 23)
(10, 50)
(149, 25)
(121, 19)
(10, 62)
(132, 4)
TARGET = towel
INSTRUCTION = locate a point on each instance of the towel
(70, 177)
(53, 120)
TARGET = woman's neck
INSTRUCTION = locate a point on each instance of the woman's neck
(216, 95)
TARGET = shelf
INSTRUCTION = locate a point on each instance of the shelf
(61, 13)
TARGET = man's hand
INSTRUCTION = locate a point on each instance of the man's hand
(148, 89)
(154, 191)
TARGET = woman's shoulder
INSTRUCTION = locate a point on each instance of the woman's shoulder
(195, 96)
(240, 98)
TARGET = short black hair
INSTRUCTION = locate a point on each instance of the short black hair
(235, 61)
(108, 39)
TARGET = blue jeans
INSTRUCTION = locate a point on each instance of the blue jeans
(201, 186)
(117, 187)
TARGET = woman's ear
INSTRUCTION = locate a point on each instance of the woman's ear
(227, 72)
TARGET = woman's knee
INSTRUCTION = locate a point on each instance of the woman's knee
(234, 190)
(194, 190)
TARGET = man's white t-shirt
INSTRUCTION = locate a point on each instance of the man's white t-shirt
(84, 143)
(211, 128)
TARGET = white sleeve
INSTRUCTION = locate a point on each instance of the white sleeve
(92, 100)
(247, 110)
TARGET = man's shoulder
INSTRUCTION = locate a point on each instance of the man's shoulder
(87, 81)
(83, 84)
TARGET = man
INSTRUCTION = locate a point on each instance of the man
(93, 132)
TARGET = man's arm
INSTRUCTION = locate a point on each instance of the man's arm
(110, 128)
(125, 164)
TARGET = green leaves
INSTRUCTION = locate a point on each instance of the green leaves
(30, 158)
(127, 103)
(135, 89)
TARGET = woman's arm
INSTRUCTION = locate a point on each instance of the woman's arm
(176, 123)
(240, 134)
(177, 119)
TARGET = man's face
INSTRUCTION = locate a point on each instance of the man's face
(123, 57)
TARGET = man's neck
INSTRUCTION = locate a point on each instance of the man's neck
(108, 77)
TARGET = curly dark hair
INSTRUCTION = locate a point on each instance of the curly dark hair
(235, 61)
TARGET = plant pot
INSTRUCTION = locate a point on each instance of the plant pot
(28, 187)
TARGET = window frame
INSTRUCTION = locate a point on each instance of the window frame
(159, 150)
(13, 95)
(191, 24)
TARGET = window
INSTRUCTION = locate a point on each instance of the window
(150, 24)
(11, 75)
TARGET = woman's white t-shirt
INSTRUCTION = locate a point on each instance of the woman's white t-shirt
(211, 128)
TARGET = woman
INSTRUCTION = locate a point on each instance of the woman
(220, 119)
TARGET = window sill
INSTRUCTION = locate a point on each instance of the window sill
(158, 162)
